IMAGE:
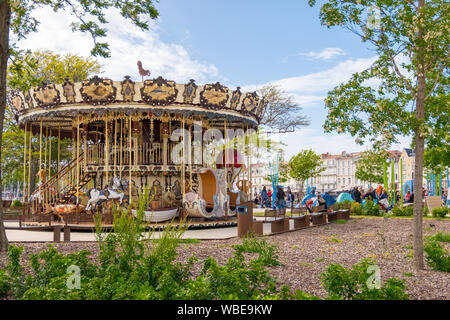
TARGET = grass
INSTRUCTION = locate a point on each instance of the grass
(340, 221)
(182, 241)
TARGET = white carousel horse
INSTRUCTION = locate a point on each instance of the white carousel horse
(115, 192)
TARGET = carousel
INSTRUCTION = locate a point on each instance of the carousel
(170, 139)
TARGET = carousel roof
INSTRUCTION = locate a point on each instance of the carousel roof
(98, 96)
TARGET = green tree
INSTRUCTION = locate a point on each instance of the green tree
(17, 17)
(409, 78)
(369, 166)
(304, 165)
(34, 68)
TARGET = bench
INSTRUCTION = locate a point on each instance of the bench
(300, 217)
(276, 219)
(332, 216)
(343, 214)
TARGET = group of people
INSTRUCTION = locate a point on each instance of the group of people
(282, 199)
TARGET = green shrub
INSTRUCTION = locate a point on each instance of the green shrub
(371, 209)
(16, 203)
(403, 212)
(4, 284)
(132, 266)
(356, 209)
(344, 204)
(267, 252)
(352, 284)
(437, 256)
(442, 237)
(440, 212)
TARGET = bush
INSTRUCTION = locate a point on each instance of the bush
(267, 252)
(131, 266)
(356, 209)
(440, 212)
(372, 209)
(437, 256)
(16, 204)
(403, 212)
(352, 284)
(344, 204)
(4, 284)
(442, 237)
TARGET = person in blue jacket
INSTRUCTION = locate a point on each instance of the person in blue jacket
(264, 197)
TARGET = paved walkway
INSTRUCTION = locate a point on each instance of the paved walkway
(16, 235)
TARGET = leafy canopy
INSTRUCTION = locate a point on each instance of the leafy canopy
(90, 17)
(304, 165)
(379, 102)
(369, 166)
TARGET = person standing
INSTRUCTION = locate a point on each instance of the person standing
(264, 197)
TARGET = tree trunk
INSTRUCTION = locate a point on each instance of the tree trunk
(419, 151)
(5, 15)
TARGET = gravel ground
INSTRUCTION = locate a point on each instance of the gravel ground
(307, 253)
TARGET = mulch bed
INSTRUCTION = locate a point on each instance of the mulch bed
(306, 253)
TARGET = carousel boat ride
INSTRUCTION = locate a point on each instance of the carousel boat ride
(125, 137)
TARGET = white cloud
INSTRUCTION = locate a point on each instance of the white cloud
(309, 90)
(325, 54)
(319, 142)
(128, 44)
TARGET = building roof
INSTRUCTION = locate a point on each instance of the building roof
(409, 152)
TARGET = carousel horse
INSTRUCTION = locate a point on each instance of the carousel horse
(168, 199)
(115, 192)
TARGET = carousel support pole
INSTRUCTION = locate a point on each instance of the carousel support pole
(50, 196)
(115, 146)
(182, 171)
(226, 169)
(121, 143)
(45, 163)
(130, 153)
(58, 183)
(85, 147)
(24, 166)
(77, 189)
(106, 150)
(30, 147)
(40, 166)
(250, 163)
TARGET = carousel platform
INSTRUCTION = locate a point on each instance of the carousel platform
(194, 224)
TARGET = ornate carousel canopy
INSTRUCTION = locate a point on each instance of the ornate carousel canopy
(99, 96)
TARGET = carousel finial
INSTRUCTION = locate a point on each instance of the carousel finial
(142, 71)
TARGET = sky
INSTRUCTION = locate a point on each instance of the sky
(239, 43)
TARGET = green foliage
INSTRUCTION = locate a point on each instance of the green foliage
(352, 284)
(32, 68)
(442, 237)
(304, 165)
(267, 251)
(403, 212)
(89, 14)
(4, 284)
(133, 266)
(372, 209)
(340, 221)
(369, 166)
(440, 212)
(356, 209)
(438, 257)
(16, 203)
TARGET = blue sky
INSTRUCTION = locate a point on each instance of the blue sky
(239, 43)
